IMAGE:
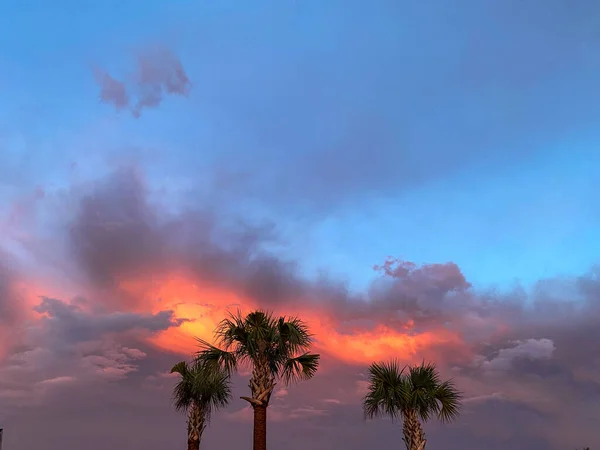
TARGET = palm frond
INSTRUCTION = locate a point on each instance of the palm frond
(386, 393)
(424, 376)
(213, 388)
(203, 385)
(421, 382)
(293, 334)
(209, 354)
(449, 399)
(230, 331)
(183, 396)
(301, 367)
(181, 368)
(262, 332)
(430, 397)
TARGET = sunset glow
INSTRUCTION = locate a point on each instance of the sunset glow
(415, 181)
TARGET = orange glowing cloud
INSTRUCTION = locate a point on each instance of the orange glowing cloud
(22, 295)
(383, 343)
(205, 305)
(202, 305)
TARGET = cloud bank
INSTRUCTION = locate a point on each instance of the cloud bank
(149, 280)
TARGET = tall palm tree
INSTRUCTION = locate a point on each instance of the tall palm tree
(411, 394)
(201, 390)
(275, 348)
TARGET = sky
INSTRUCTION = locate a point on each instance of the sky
(416, 180)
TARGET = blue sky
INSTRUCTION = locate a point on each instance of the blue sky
(427, 132)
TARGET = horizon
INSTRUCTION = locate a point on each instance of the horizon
(416, 181)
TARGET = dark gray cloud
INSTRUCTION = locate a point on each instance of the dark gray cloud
(69, 323)
(118, 233)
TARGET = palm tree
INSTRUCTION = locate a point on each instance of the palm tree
(201, 390)
(275, 348)
(412, 394)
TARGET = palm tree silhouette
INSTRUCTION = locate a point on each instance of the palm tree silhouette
(412, 394)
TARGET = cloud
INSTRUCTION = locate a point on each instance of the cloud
(70, 323)
(69, 345)
(112, 91)
(530, 349)
(149, 278)
(159, 73)
(9, 305)
(117, 229)
(278, 413)
(482, 398)
(105, 280)
(133, 253)
(58, 380)
(280, 393)
(363, 103)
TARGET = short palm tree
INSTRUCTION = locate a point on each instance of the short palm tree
(201, 390)
(412, 394)
(275, 348)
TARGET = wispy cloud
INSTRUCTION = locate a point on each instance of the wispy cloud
(159, 72)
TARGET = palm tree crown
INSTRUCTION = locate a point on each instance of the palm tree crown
(394, 391)
(202, 386)
(412, 394)
(281, 344)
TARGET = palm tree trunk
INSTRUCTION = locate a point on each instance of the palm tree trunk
(196, 426)
(414, 436)
(261, 385)
(260, 427)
